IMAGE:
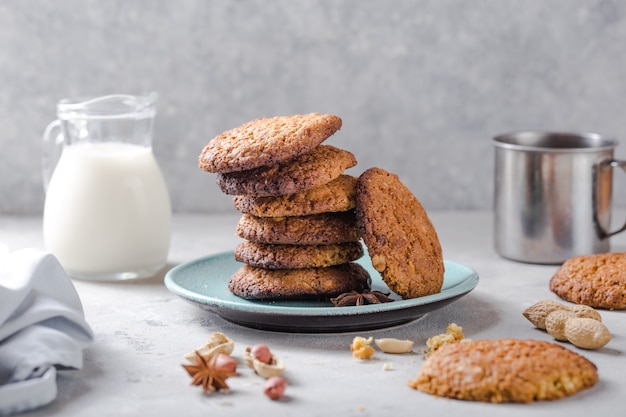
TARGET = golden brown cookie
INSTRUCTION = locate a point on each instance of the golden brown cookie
(320, 166)
(337, 195)
(594, 280)
(504, 370)
(267, 141)
(401, 240)
(263, 255)
(290, 284)
(316, 229)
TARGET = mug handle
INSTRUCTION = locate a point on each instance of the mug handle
(51, 152)
(603, 234)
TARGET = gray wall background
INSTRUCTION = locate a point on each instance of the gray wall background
(421, 85)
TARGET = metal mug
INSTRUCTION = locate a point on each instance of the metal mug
(552, 197)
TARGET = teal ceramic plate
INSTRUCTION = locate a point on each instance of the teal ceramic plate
(204, 283)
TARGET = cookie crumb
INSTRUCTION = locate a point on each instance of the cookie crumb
(454, 333)
(361, 347)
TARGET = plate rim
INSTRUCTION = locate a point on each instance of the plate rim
(466, 285)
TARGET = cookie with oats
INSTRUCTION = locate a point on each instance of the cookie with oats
(268, 256)
(505, 370)
(597, 280)
(400, 238)
(320, 166)
(336, 195)
(267, 141)
(316, 229)
(298, 284)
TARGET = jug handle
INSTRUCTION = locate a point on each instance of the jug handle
(603, 234)
(51, 152)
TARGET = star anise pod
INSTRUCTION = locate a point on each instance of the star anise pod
(204, 373)
(355, 298)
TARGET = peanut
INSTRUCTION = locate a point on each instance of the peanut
(274, 387)
(379, 262)
(224, 362)
(580, 325)
(263, 366)
(586, 333)
(390, 345)
(555, 324)
(582, 311)
(538, 312)
(261, 352)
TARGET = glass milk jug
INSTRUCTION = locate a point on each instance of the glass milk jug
(107, 213)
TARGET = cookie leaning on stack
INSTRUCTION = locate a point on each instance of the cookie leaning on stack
(299, 243)
(401, 240)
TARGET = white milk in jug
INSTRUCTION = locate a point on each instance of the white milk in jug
(107, 211)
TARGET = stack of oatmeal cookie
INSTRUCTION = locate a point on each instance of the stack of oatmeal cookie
(298, 220)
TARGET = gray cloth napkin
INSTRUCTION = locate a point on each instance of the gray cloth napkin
(42, 329)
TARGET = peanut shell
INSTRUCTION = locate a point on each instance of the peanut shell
(218, 343)
(538, 312)
(586, 333)
(265, 370)
(555, 324)
(581, 310)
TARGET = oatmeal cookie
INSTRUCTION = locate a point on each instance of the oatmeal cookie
(263, 255)
(316, 229)
(337, 195)
(267, 141)
(597, 281)
(400, 238)
(320, 166)
(504, 370)
(290, 284)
